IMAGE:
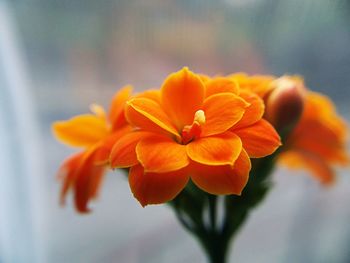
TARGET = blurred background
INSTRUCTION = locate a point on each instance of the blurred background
(59, 56)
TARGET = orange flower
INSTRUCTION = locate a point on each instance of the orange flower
(319, 140)
(190, 129)
(96, 134)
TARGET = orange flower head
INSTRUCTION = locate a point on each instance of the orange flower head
(190, 129)
(318, 142)
(96, 134)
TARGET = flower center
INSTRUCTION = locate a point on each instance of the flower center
(193, 131)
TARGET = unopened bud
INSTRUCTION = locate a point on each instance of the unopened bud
(285, 103)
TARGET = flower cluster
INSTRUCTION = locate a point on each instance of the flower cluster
(201, 129)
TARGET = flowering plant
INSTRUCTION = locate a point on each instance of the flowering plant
(199, 142)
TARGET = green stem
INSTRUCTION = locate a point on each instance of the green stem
(216, 248)
(215, 243)
(212, 211)
(215, 238)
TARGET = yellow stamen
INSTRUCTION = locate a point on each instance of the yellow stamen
(193, 131)
(199, 117)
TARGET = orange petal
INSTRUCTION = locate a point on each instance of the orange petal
(182, 95)
(259, 84)
(160, 154)
(123, 153)
(67, 173)
(83, 130)
(318, 104)
(203, 77)
(320, 139)
(150, 94)
(220, 85)
(319, 108)
(242, 168)
(253, 112)
(329, 152)
(103, 149)
(307, 128)
(156, 188)
(147, 115)
(259, 139)
(80, 173)
(116, 112)
(221, 149)
(222, 111)
(316, 165)
(222, 180)
(87, 183)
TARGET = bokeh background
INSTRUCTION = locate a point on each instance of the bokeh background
(58, 56)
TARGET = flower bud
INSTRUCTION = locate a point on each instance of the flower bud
(285, 103)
